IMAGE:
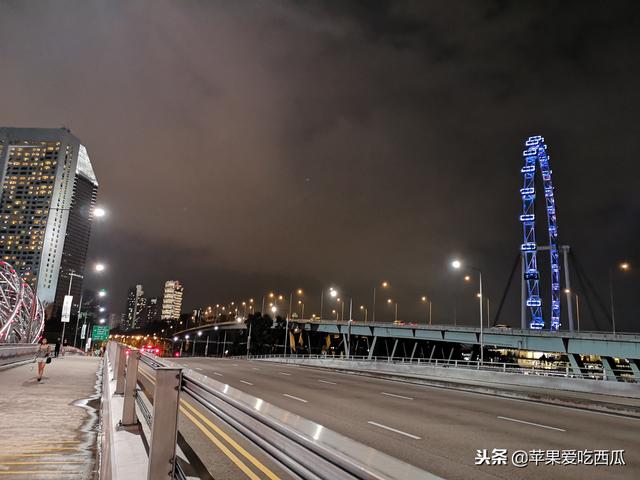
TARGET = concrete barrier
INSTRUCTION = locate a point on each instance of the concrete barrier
(462, 375)
(12, 354)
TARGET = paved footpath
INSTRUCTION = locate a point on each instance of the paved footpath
(49, 429)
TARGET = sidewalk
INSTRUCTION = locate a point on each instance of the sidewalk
(48, 429)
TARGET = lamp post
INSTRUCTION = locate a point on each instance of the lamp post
(299, 293)
(624, 267)
(391, 302)
(424, 299)
(373, 312)
(334, 293)
(364, 309)
(569, 299)
(457, 265)
(64, 324)
(301, 303)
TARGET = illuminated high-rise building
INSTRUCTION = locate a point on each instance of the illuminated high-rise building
(172, 300)
(46, 208)
(136, 304)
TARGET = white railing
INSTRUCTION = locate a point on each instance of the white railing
(561, 369)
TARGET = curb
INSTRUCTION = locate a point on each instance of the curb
(19, 363)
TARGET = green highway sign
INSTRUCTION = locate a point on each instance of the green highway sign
(100, 333)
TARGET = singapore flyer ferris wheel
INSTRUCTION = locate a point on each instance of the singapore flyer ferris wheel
(536, 155)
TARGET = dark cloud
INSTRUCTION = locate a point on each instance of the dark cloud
(244, 146)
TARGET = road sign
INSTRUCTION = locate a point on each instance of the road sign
(100, 333)
(83, 332)
(66, 308)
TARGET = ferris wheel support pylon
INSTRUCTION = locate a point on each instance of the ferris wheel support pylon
(567, 282)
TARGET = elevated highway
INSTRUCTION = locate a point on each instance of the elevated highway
(433, 341)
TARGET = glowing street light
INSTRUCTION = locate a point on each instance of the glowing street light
(366, 312)
(99, 212)
(373, 311)
(391, 302)
(457, 265)
(102, 293)
(100, 267)
(102, 320)
(424, 299)
(623, 267)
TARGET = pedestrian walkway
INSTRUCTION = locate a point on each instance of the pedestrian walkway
(49, 429)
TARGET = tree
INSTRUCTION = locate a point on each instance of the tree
(261, 332)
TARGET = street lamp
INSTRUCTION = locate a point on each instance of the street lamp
(623, 267)
(569, 292)
(299, 292)
(99, 267)
(364, 309)
(424, 299)
(457, 265)
(334, 293)
(301, 303)
(99, 212)
(373, 312)
(395, 304)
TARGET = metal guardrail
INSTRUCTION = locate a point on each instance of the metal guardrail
(561, 369)
(328, 455)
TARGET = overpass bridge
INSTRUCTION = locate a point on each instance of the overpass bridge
(425, 341)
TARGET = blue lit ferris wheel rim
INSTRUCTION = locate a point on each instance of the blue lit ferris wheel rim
(535, 156)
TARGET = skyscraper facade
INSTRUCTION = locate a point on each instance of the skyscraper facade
(152, 312)
(136, 305)
(49, 190)
(172, 300)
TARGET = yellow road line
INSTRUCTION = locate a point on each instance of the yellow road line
(42, 450)
(38, 472)
(33, 454)
(43, 463)
(232, 442)
(221, 446)
(226, 437)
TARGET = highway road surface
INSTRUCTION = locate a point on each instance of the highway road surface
(437, 429)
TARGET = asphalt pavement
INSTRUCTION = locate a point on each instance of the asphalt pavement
(437, 429)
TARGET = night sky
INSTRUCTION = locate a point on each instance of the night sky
(246, 146)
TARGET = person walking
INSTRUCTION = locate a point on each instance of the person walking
(56, 350)
(42, 356)
(64, 346)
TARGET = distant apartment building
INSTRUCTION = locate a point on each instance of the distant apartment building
(114, 320)
(46, 209)
(136, 304)
(152, 312)
(172, 300)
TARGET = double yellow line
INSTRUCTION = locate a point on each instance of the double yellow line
(213, 432)
(8, 459)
